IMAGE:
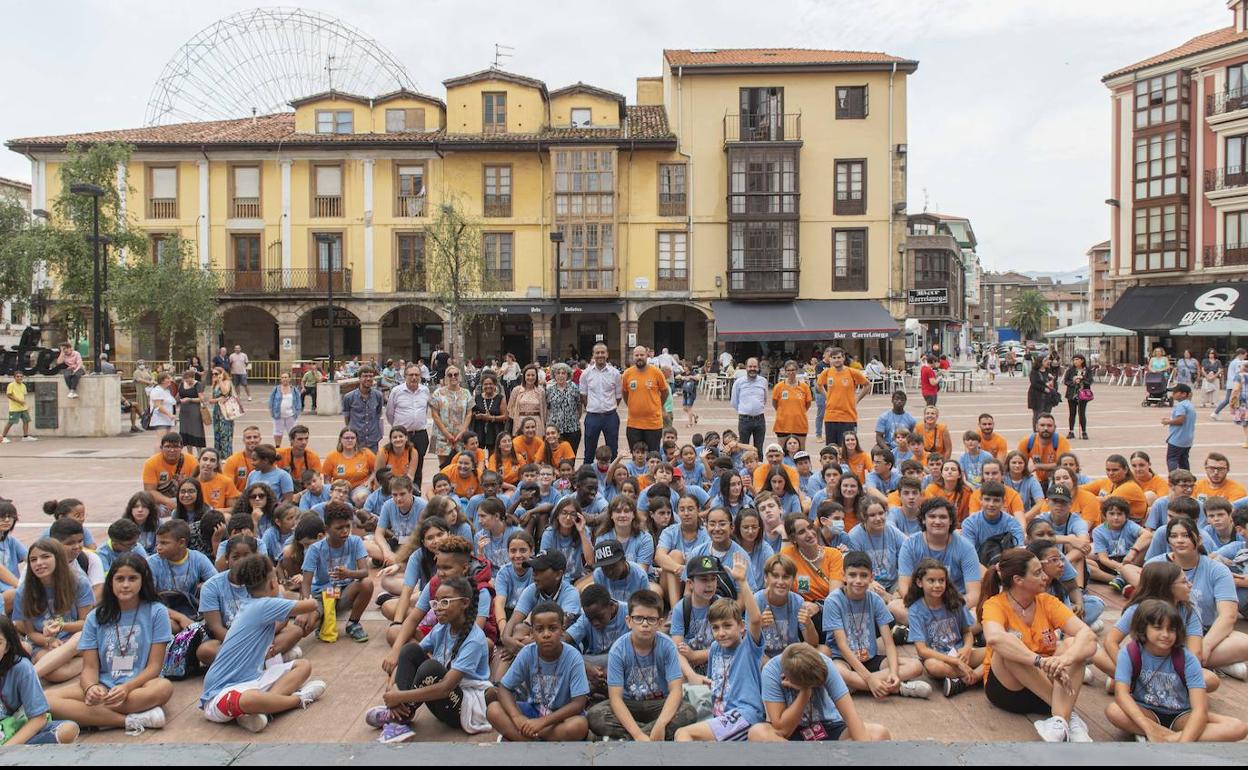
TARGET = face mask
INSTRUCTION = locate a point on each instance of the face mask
(837, 526)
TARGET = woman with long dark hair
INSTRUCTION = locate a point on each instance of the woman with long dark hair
(1042, 394)
(1078, 382)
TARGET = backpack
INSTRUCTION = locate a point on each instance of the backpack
(1177, 659)
(724, 589)
(480, 578)
(1031, 442)
(992, 548)
(181, 661)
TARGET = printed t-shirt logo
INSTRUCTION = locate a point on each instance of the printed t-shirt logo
(340, 469)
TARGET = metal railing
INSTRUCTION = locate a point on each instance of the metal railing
(162, 208)
(1226, 178)
(763, 281)
(593, 280)
(280, 281)
(1226, 255)
(1227, 101)
(763, 127)
(327, 205)
(672, 204)
(409, 206)
(263, 371)
(497, 206)
(410, 280)
(247, 208)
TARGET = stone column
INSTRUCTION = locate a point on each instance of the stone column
(370, 340)
(288, 330)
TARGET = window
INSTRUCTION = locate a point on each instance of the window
(582, 116)
(494, 112)
(497, 191)
(672, 189)
(1162, 99)
(498, 271)
(408, 119)
(410, 265)
(851, 187)
(1161, 164)
(1235, 230)
(1236, 158)
(585, 212)
(410, 184)
(162, 246)
(762, 257)
(762, 114)
(334, 121)
(1237, 79)
(247, 192)
(584, 183)
(588, 261)
(673, 268)
(763, 182)
(849, 260)
(247, 275)
(851, 102)
(931, 270)
(163, 198)
(1160, 238)
(327, 198)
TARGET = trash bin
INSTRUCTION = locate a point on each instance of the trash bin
(47, 401)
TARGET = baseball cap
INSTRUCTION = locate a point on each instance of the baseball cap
(1182, 387)
(548, 560)
(773, 448)
(801, 455)
(704, 565)
(1060, 492)
(677, 472)
(608, 552)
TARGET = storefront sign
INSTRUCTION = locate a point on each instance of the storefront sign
(928, 296)
(860, 335)
(1210, 306)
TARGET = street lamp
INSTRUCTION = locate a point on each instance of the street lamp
(326, 243)
(96, 192)
(556, 237)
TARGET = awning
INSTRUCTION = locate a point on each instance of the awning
(803, 319)
(1158, 309)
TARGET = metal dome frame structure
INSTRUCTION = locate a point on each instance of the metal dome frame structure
(257, 61)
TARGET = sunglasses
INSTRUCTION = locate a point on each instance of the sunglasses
(258, 496)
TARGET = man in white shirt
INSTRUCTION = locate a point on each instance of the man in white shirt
(238, 369)
(725, 361)
(602, 389)
(408, 408)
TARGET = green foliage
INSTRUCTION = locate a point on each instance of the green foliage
(1027, 313)
(174, 292)
(21, 249)
(455, 270)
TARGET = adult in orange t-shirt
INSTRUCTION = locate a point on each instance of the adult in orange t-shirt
(1217, 466)
(240, 464)
(1118, 482)
(557, 449)
(296, 465)
(775, 459)
(844, 388)
(820, 568)
(989, 440)
(349, 461)
(645, 390)
(219, 492)
(791, 400)
(1030, 667)
(170, 464)
(1044, 447)
(935, 434)
(527, 445)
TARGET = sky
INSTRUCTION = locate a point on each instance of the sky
(1008, 119)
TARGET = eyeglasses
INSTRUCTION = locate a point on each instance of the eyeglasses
(442, 604)
(258, 496)
(1217, 468)
(644, 620)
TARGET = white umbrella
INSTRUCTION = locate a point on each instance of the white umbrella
(1090, 329)
(1226, 326)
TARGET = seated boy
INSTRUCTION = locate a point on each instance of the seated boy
(178, 572)
(315, 490)
(691, 628)
(337, 567)
(614, 572)
(553, 674)
(806, 700)
(786, 617)
(123, 537)
(602, 621)
(1115, 542)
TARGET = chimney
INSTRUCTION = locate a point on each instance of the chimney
(1238, 7)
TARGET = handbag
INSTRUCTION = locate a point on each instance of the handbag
(231, 408)
(1085, 394)
(205, 414)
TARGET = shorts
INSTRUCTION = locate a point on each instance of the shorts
(224, 706)
(876, 663)
(730, 726)
(819, 731)
(23, 416)
(47, 733)
(1167, 718)
(690, 397)
(282, 425)
(239, 379)
(1014, 701)
(529, 709)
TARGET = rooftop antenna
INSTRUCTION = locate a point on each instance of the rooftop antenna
(501, 52)
(924, 200)
(329, 69)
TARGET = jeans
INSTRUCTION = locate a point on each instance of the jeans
(72, 378)
(420, 440)
(1178, 457)
(308, 393)
(752, 428)
(605, 425)
(1226, 400)
(821, 402)
(417, 669)
(1080, 409)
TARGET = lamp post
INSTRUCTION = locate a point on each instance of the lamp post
(327, 244)
(556, 237)
(95, 191)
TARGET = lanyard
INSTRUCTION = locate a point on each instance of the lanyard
(125, 647)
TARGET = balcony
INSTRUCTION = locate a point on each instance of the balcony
(672, 204)
(410, 280)
(162, 208)
(581, 281)
(747, 127)
(276, 281)
(1227, 101)
(497, 206)
(407, 206)
(327, 206)
(763, 282)
(246, 208)
(1226, 255)
(673, 280)
(1227, 178)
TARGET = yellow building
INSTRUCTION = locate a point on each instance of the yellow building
(748, 198)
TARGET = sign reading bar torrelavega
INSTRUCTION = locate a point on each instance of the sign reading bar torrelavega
(928, 296)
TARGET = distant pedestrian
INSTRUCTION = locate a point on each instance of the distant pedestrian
(1182, 424)
(239, 365)
(19, 408)
(74, 370)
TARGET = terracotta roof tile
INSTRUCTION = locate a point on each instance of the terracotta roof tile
(766, 56)
(585, 88)
(495, 74)
(1198, 44)
(647, 122)
(6, 182)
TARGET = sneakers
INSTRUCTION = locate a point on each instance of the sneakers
(901, 634)
(916, 688)
(153, 718)
(72, 394)
(253, 722)
(395, 732)
(1109, 685)
(1070, 434)
(1097, 626)
(1141, 739)
(135, 429)
(29, 438)
(6, 440)
(1089, 676)
(311, 691)
(356, 631)
(953, 686)
(1052, 730)
(380, 716)
(1118, 584)
(1077, 732)
(1237, 670)
(1215, 417)
(1084, 435)
(294, 653)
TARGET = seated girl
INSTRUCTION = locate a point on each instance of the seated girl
(50, 609)
(20, 692)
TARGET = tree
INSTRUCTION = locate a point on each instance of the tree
(1028, 312)
(457, 272)
(174, 290)
(21, 249)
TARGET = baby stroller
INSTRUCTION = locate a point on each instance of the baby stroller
(1155, 386)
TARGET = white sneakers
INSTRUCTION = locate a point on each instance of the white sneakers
(1089, 674)
(1058, 730)
(311, 691)
(7, 440)
(1078, 730)
(294, 653)
(1237, 670)
(253, 722)
(153, 718)
(72, 394)
(916, 688)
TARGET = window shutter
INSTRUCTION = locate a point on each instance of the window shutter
(247, 182)
(395, 121)
(415, 119)
(328, 180)
(164, 183)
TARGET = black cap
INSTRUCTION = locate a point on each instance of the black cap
(548, 560)
(1060, 492)
(608, 552)
(1182, 387)
(705, 565)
